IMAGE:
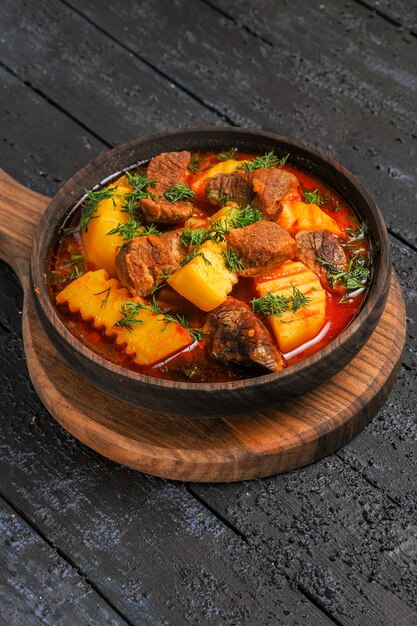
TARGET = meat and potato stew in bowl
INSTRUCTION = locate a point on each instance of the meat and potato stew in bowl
(210, 271)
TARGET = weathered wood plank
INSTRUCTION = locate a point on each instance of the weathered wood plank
(400, 12)
(107, 89)
(38, 586)
(349, 545)
(157, 554)
(150, 547)
(40, 145)
(355, 99)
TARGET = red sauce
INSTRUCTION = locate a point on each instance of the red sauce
(193, 363)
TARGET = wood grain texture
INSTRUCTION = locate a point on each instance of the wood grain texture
(262, 66)
(224, 449)
(38, 586)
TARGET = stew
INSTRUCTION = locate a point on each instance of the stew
(210, 267)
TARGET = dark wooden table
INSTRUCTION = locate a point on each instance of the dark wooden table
(85, 541)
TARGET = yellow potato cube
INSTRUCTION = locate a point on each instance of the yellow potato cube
(294, 328)
(100, 249)
(297, 215)
(99, 300)
(205, 280)
(225, 214)
(224, 167)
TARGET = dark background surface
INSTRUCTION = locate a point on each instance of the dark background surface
(85, 541)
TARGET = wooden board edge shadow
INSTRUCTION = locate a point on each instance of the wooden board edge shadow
(251, 451)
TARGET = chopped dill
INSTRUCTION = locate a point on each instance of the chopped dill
(313, 196)
(276, 305)
(90, 205)
(227, 154)
(268, 160)
(194, 163)
(180, 191)
(232, 261)
(132, 228)
(106, 297)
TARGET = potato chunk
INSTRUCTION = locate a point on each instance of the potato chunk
(99, 300)
(100, 249)
(297, 215)
(205, 280)
(293, 329)
(226, 214)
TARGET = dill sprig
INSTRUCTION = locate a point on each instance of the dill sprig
(193, 254)
(232, 261)
(357, 233)
(356, 276)
(139, 183)
(227, 154)
(130, 311)
(194, 237)
(268, 160)
(276, 305)
(75, 264)
(313, 196)
(133, 228)
(194, 163)
(90, 205)
(180, 191)
(245, 216)
(106, 297)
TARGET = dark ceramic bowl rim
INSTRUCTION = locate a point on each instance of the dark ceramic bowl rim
(211, 136)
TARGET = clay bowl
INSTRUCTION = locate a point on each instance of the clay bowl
(212, 399)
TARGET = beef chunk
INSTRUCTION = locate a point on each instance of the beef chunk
(261, 247)
(270, 186)
(236, 335)
(263, 189)
(168, 168)
(235, 186)
(325, 245)
(143, 262)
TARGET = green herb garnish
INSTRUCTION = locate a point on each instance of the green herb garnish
(180, 191)
(106, 297)
(192, 255)
(232, 261)
(245, 216)
(276, 305)
(227, 154)
(90, 205)
(133, 228)
(129, 310)
(356, 276)
(314, 197)
(139, 183)
(357, 233)
(194, 163)
(268, 160)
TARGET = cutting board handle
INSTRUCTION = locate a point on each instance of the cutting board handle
(20, 211)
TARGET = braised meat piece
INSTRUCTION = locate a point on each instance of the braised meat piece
(168, 169)
(321, 244)
(262, 188)
(261, 246)
(144, 262)
(236, 335)
(223, 187)
(270, 186)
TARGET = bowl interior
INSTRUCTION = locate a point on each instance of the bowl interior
(208, 139)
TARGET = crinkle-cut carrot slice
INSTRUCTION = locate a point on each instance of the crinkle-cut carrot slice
(99, 300)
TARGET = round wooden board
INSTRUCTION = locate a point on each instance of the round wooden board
(209, 449)
(228, 448)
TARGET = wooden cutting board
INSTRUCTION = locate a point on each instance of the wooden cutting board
(207, 450)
